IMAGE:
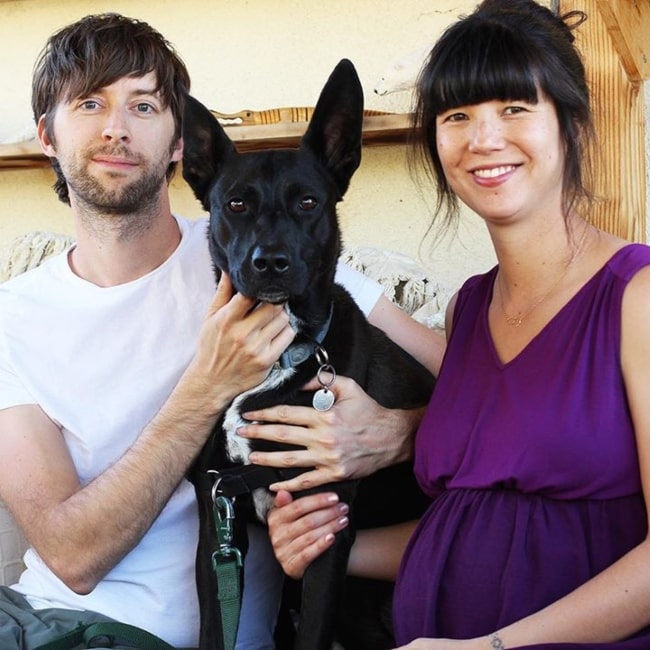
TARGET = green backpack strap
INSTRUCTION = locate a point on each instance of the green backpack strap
(114, 632)
(66, 641)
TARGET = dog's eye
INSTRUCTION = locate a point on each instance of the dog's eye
(308, 203)
(236, 205)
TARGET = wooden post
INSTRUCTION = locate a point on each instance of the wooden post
(617, 97)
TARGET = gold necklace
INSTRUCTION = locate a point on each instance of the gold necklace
(516, 321)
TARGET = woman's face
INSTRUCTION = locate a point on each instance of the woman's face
(504, 159)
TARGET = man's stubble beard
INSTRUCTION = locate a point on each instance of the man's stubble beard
(128, 209)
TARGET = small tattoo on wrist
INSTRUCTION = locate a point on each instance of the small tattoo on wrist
(495, 642)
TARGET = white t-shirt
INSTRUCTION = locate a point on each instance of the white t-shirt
(100, 362)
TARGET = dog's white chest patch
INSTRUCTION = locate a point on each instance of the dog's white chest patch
(238, 448)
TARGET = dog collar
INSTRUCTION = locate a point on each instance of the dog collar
(297, 353)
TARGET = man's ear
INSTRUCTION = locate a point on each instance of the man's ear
(46, 142)
(177, 153)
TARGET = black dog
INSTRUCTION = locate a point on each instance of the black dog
(274, 230)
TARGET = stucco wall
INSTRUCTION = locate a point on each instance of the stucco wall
(258, 54)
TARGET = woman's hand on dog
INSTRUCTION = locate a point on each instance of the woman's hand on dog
(302, 529)
(355, 438)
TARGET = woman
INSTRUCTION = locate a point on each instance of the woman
(536, 444)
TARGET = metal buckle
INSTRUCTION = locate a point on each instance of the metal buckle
(223, 510)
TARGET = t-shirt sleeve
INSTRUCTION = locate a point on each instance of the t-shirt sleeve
(13, 391)
(364, 290)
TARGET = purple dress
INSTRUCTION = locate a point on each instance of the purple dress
(532, 465)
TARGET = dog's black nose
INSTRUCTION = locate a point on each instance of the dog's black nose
(270, 261)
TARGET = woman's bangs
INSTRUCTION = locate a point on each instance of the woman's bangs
(481, 68)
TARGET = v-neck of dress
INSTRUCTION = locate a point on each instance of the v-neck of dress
(539, 337)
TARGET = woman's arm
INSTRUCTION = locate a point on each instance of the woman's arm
(377, 552)
(425, 344)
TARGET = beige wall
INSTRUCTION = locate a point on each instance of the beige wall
(257, 54)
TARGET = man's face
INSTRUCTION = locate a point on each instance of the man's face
(115, 145)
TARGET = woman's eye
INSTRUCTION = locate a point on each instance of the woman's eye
(236, 205)
(514, 110)
(308, 203)
(451, 116)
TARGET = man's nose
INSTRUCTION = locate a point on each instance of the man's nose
(116, 127)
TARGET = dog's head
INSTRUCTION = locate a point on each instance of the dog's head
(273, 224)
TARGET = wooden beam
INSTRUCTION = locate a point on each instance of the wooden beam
(618, 106)
(390, 128)
(628, 23)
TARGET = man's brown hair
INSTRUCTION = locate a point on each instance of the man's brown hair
(95, 52)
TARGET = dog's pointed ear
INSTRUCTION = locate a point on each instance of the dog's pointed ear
(334, 132)
(205, 148)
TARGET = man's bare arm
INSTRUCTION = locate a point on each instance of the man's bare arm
(81, 532)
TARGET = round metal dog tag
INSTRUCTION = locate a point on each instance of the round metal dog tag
(323, 400)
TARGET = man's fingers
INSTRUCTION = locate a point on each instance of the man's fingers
(304, 416)
(305, 481)
(300, 416)
(225, 292)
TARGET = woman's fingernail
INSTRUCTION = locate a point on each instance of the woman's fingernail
(343, 521)
(344, 508)
(333, 498)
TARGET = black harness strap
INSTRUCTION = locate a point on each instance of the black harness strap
(235, 481)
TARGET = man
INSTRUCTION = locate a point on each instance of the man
(117, 358)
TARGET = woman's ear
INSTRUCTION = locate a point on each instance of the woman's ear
(46, 142)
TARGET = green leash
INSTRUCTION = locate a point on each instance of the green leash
(108, 634)
(227, 565)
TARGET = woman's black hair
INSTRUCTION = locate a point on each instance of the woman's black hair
(506, 50)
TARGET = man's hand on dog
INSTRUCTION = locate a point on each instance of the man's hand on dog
(239, 342)
(355, 438)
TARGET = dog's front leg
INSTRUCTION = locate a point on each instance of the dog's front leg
(322, 592)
